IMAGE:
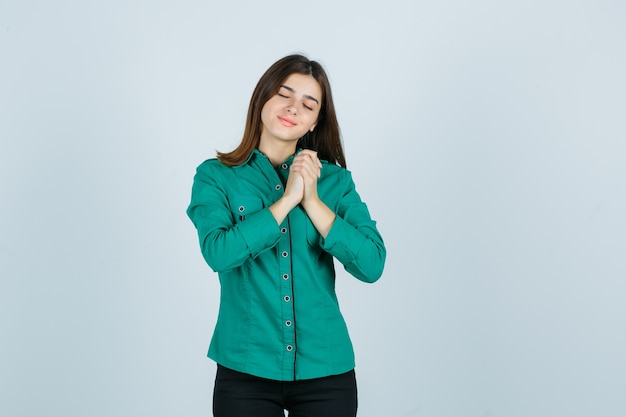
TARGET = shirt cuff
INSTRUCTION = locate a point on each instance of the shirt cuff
(343, 241)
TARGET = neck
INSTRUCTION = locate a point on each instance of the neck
(277, 153)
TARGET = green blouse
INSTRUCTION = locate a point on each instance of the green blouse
(279, 317)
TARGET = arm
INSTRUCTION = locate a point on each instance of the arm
(348, 233)
(308, 166)
(294, 190)
(225, 244)
(354, 239)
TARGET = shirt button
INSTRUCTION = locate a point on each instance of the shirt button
(285, 277)
(288, 323)
(287, 298)
(278, 187)
(284, 166)
(242, 209)
(289, 348)
(284, 254)
(283, 230)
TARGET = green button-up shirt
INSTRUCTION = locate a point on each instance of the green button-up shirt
(279, 317)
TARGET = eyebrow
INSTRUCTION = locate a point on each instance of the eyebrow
(286, 87)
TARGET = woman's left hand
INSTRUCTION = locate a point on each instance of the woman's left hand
(307, 164)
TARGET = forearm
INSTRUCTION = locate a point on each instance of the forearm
(320, 214)
(281, 208)
(353, 238)
(361, 250)
(225, 245)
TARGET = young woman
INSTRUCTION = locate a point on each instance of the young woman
(271, 215)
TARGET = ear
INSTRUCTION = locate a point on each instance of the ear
(312, 127)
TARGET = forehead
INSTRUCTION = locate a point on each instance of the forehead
(303, 85)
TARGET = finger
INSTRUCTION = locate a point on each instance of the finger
(315, 159)
(311, 166)
(312, 154)
(307, 160)
(307, 152)
(307, 169)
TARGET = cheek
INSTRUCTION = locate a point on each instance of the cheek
(312, 120)
(264, 115)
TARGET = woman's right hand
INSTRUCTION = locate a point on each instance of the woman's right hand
(294, 192)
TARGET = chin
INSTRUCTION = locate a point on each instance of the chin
(290, 138)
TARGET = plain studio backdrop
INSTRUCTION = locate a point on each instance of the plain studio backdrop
(487, 138)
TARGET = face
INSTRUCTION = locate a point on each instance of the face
(292, 112)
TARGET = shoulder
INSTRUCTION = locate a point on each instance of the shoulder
(210, 165)
(213, 167)
(213, 173)
(336, 171)
(336, 176)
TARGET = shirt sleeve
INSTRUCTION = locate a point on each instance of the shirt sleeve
(225, 244)
(353, 238)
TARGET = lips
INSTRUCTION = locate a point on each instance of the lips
(286, 121)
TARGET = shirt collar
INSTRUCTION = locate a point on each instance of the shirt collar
(256, 153)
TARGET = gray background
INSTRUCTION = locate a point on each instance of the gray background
(487, 138)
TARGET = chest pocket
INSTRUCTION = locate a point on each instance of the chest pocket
(242, 206)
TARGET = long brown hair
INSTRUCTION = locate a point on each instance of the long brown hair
(325, 138)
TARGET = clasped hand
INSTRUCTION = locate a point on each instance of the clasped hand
(301, 188)
(302, 182)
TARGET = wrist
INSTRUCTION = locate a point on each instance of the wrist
(288, 201)
(281, 208)
(311, 202)
(320, 214)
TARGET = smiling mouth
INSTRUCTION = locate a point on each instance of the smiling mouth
(286, 121)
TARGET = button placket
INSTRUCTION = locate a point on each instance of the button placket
(287, 319)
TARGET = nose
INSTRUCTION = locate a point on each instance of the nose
(291, 108)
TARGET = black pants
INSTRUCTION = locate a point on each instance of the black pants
(241, 395)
